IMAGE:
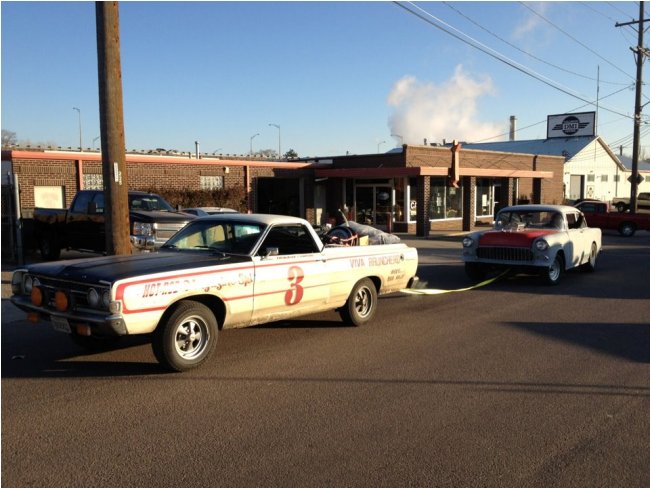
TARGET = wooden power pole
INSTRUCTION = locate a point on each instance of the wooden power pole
(640, 53)
(111, 115)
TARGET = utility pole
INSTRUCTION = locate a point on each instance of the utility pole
(640, 54)
(111, 115)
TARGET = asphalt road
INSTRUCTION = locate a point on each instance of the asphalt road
(513, 384)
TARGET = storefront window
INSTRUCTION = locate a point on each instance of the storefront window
(399, 200)
(454, 207)
(484, 197)
(446, 202)
(413, 203)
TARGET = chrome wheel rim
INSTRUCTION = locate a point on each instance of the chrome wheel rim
(554, 270)
(191, 337)
(363, 302)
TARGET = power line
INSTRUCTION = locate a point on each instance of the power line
(526, 52)
(443, 26)
(574, 39)
(571, 110)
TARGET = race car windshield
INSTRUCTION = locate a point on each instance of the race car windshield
(221, 237)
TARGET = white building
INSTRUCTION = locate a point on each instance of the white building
(591, 170)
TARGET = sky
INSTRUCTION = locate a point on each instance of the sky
(336, 77)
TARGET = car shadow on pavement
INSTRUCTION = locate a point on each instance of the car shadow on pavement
(52, 355)
(627, 341)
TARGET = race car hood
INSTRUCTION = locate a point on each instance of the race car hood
(113, 268)
(521, 238)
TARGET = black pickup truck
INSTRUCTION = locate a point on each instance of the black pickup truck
(151, 220)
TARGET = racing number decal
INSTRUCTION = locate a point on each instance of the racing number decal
(294, 294)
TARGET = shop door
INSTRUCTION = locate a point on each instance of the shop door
(374, 206)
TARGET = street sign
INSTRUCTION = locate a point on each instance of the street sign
(639, 179)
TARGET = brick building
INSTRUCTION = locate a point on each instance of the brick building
(405, 190)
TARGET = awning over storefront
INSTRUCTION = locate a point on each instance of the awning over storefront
(428, 171)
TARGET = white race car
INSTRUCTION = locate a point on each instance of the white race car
(221, 271)
(542, 239)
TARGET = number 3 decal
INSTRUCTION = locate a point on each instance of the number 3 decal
(294, 294)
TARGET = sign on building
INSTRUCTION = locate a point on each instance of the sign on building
(571, 125)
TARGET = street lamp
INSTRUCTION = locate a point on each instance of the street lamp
(253, 137)
(95, 140)
(279, 139)
(217, 149)
(81, 146)
(379, 144)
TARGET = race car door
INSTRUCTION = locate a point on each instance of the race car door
(290, 275)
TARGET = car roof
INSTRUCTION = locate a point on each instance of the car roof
(211, 209)
(264, 219)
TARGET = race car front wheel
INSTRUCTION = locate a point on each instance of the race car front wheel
(186, 338)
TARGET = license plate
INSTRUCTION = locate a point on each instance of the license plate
(61, 324)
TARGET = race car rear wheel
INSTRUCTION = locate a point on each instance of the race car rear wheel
(186, 337)
(553, 273)
(590, 266)
(361, 304)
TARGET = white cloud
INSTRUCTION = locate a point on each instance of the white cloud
(436, 112)
(531, 22)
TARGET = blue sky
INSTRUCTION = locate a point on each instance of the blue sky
(336, 76)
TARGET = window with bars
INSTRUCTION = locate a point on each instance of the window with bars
(211, 182)
(93, 181)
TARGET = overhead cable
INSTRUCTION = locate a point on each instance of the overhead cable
(461, 36)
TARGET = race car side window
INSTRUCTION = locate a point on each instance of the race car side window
(289, 239)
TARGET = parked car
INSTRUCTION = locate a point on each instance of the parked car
(539, 239)
(623, 204)
(222, 271)
(203, 211)
(599, 214)
(151, 219)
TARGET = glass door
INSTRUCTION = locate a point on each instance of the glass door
(383, 207)
(374, 205)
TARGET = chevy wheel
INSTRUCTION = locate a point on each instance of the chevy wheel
(590, 266)
(187, 337)
(553, 273)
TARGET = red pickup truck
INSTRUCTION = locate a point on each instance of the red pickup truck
(598, 214)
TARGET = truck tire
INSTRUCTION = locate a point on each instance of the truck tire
(590, 265)
(361, 305)
(553, 273)
(186, 337)
(627, 229)
(49, 247)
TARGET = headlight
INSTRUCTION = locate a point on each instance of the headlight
(28, 284)
(142, 229)
(106, 299)
(468, 242)
(93, 298)
(17, 287)
(541, 245)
